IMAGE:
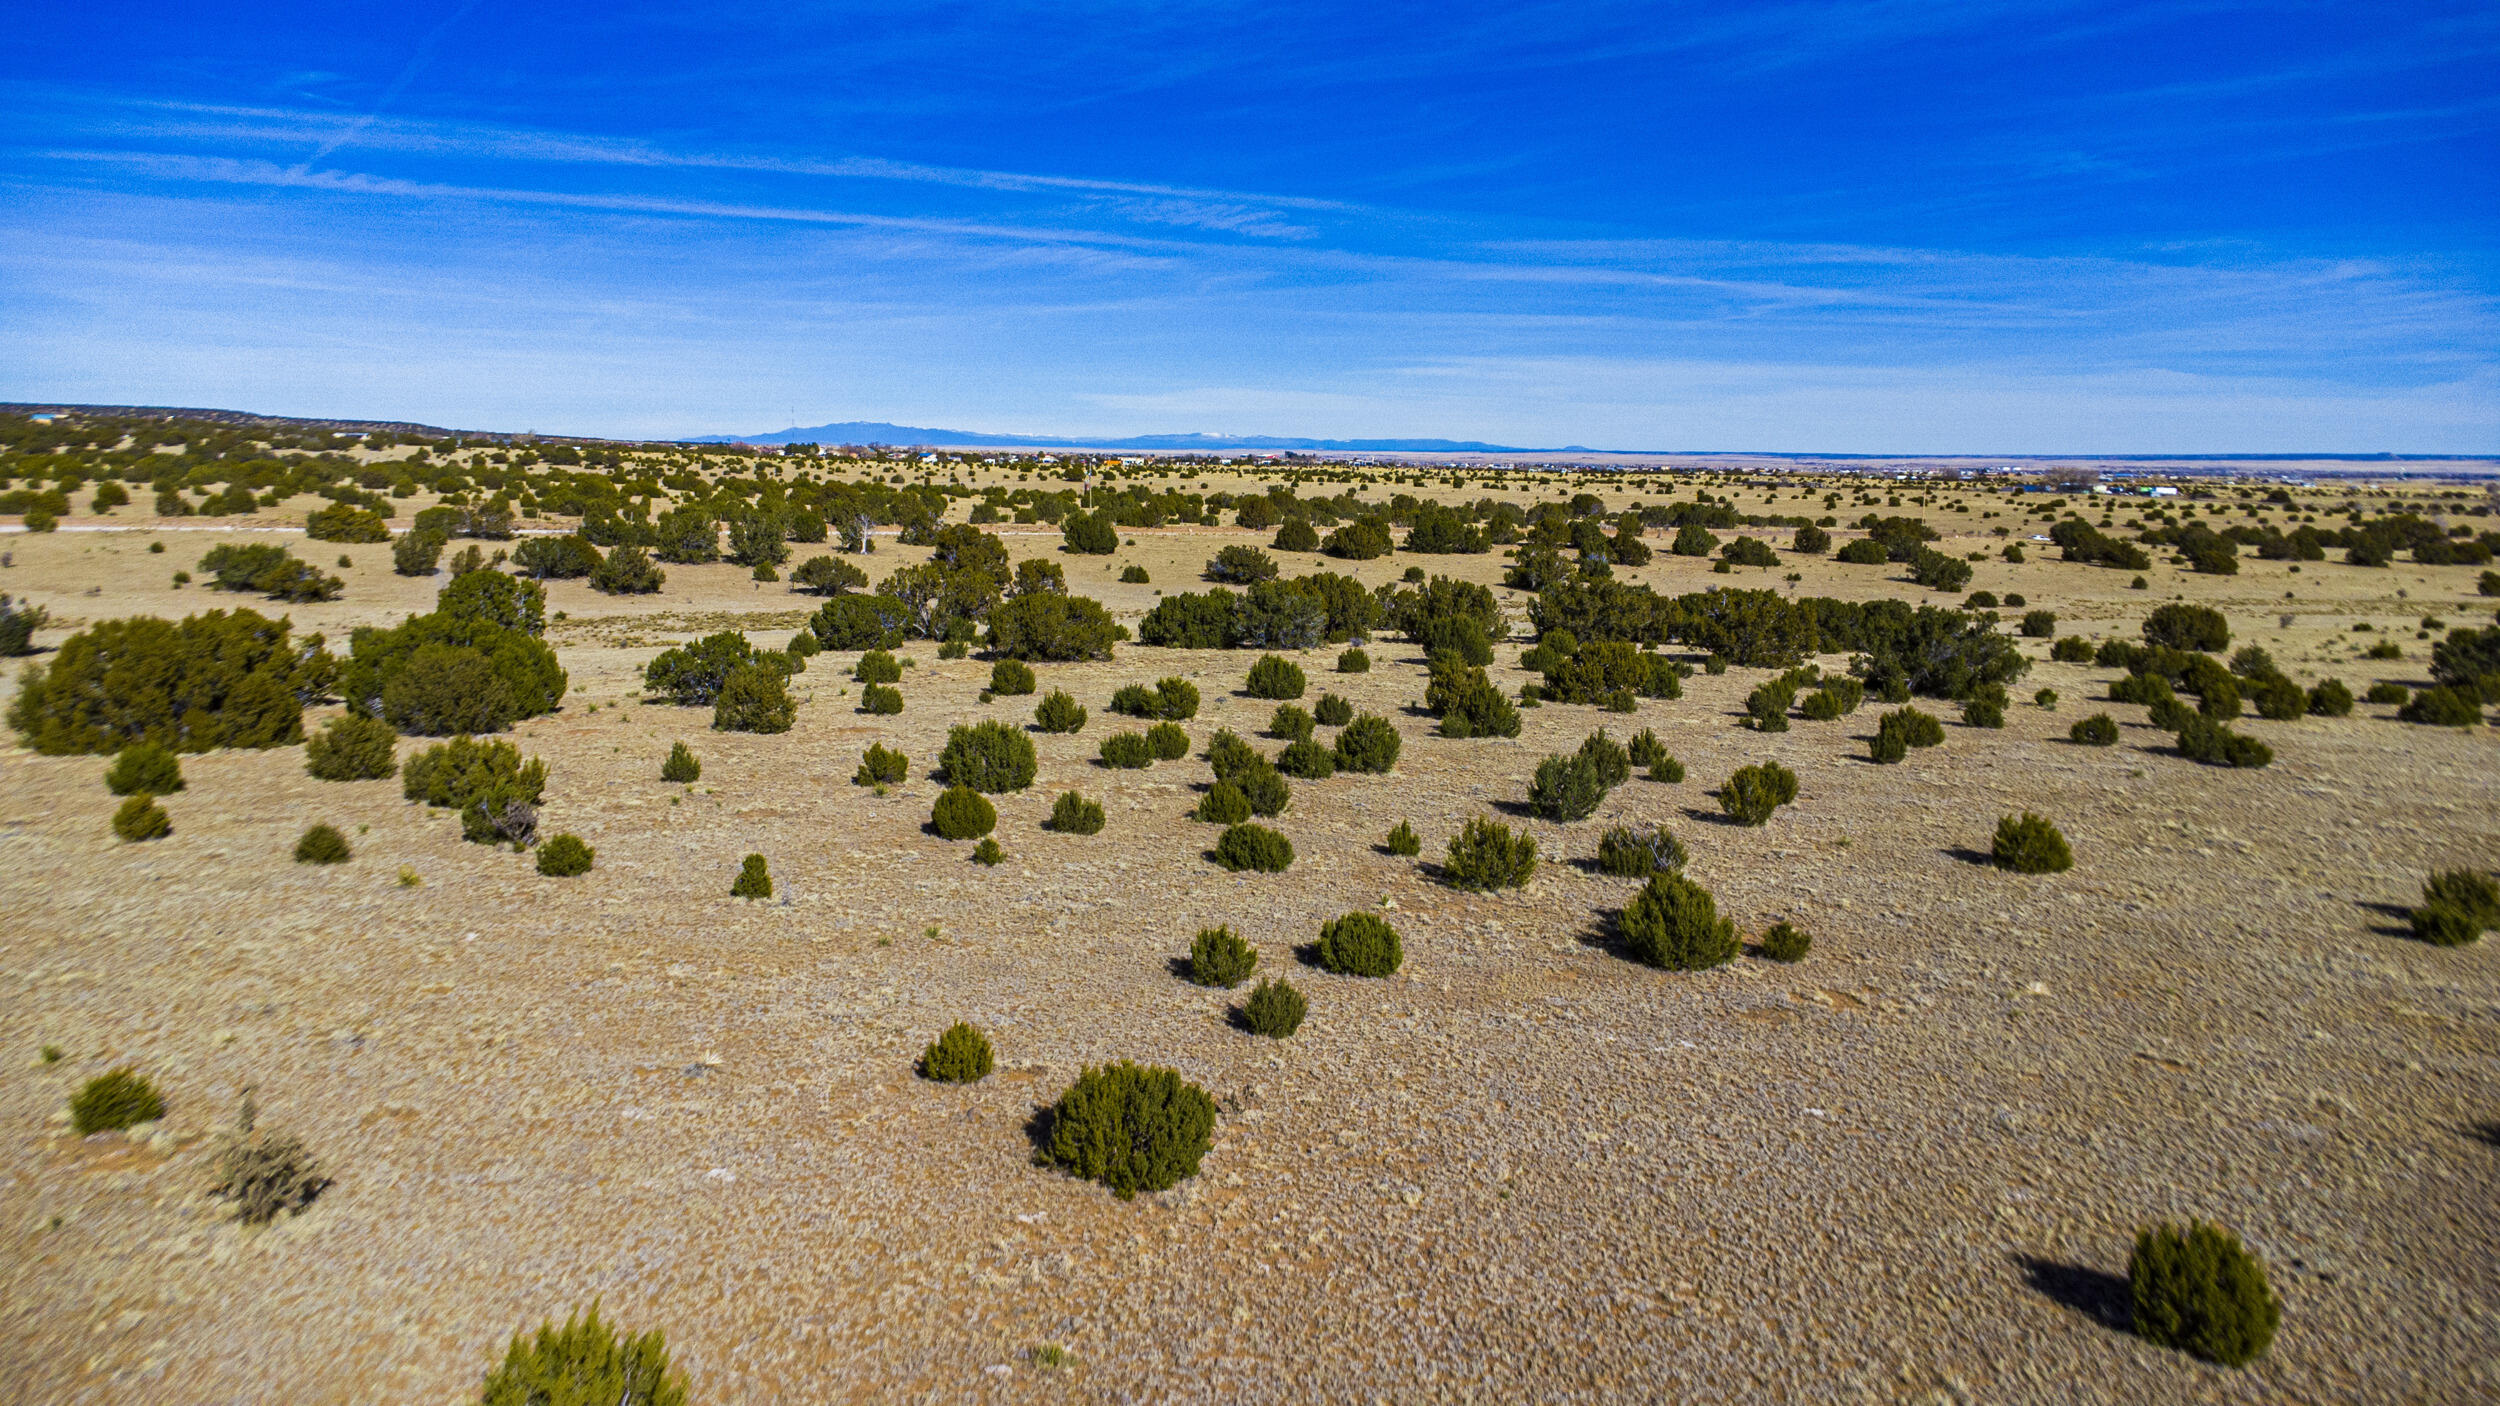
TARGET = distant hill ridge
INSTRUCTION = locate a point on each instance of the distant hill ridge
(879, 432)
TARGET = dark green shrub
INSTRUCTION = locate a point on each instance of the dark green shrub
(1466, 701)
(1168, 741)
(1296, 535)
(960, 1056)
(2278, 699)
(2384, 692)
(1865, 551)
(144, 768)
(1133, 575)
(1753, 793)
(1241, 565)
(1403, 841)
(1307, 760)
(268, 570)
(141, 818)
(1645, 750)
(322, 844)
(2039, 624)
(878, 666)
(1059, 713)
(1354, 661)
(217, 679)
(1090, 534)
(855, 620)
(1637, 853)
(1220, 958)
(1980, 710)
(1766, 708)
(1674, 923)
(1369, 744)
(415, 553)
(1486, 854)
(681, 768)
(2201, 739)
(352, 747)
(1887, 747)
(584, 1363)
(2171, 715)
(451, 672)
(492, 598)
(1131, 1127)
(19, 622)
(988, 853)
(1275, 1009)
(880, 766)
(265, 1173)
(2442, 707)
(2445, 925)
(1264, 787)
(1914, 728)
(1359, 944)
(1012, 678)
(1127, 750)
(2218, 698)
(2199, 1290)
(754, 879)
(1254, 847)
(962, 813)
(1230, 756)
(2098, 730)
(1048, 625)
(988, 756)
(2471, 892)
(1176, 700)
(2073, 649)
(564, 857)
(484, 783)
(1275, 677)
(2194, 627)
(2330, 699)
(1612, 764)
(1566, 788)
(627, 571)
(1290, 723)
(756, 698)
(563, 558)
(2030, 844)
(1668, 770)
(1333, 711)
(1784, 943)
(1224, 804)
(1939, 572)
(111, 1102)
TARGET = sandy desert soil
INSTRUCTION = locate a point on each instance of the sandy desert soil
(1524, 1169)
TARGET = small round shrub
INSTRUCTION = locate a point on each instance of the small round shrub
(1073, 814)
(881, 765)
(1354, 661)
(144, 767)
(1566, 788)
(756, 698)
(2192, 627)
(1275, 1009)
(1632, 853)
(2442, 707)
(1753, 793)
(1059, 713)
(682, 768)
(1168, 741)
(989, 756)
(1131, 1127)
(265, 1173)
(2029, 844)
(1254, 847)
(1128, 751)
(2384, 692)
(582, 1362)
(1230, 756)
(1674, 923)
(962, 813)
(322, 844)
(1290, 723)
(1403, 842)
(987, 853)
(141, 818)
(1359, 944)
(1983, 710)
(2330, 699)
(1297, 535)
(960, 1056)
(2201, 739)
(352, 747)
(2098, 730)
(1820, 706)
(1668, 770)
(2199, 1290)
(1645, 749)
(564, 857)
(1486, 854)
(878, 666)
(1012, 678)
(1133, 575)
(2039, 624)
(754, 879)
(2445, 925)
(881, 699)
(2471, 892)
(1275, 676)
(1887, 747)
(1369, 744)
(1783, 943)
(1332, 711)
(1223, 804)
(1307, 760)
(2073, 649)
(1264, 787)
(804, 646)
(114, 1101)
(1218, 957)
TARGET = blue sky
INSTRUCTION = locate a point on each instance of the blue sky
(1876, 226)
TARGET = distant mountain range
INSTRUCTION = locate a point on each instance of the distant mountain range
(878, 432)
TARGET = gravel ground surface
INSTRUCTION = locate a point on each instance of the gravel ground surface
(1524, 1169)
